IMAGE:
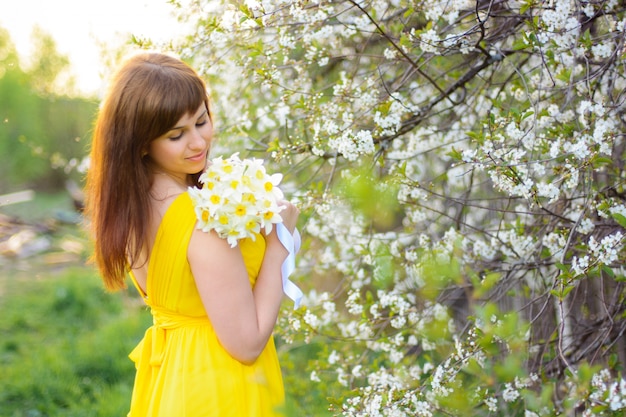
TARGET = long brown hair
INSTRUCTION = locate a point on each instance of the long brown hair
(148, 95)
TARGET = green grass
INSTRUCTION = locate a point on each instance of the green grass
(65, 345)
(303, 397)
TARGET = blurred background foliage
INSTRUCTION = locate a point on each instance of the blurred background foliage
(44, 130)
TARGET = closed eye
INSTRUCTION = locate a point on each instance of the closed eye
(202, 121)
(180, 135)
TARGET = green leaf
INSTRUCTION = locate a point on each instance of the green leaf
(455, 154)
(473, 135)
(273, 146)
(525, 6)
(607, 270)
(372, 195)
(620, 219)
(482, 287)
(562, 293)
(566, 290)
(520, 44)
(565, 75)
(246, 11)
(602, 160)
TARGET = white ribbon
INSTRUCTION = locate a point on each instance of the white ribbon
(292, 244)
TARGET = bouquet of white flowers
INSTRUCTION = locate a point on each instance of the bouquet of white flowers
(238, 199)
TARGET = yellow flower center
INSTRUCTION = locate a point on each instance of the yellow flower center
(269, 186)
(240, 210)
(205, 216)
(215, 199)
(223, 219)
(268, 215)
(249, 198)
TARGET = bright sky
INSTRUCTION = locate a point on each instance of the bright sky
(79, 26)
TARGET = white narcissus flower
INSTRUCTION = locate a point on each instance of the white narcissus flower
(237, 199)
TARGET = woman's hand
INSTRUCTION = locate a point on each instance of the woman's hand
(289, 214)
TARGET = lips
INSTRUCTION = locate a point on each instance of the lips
(198, 157)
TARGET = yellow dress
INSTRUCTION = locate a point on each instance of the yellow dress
(182, 370)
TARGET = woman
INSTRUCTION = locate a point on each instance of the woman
(210, 350)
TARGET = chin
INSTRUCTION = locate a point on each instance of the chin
(203, 167)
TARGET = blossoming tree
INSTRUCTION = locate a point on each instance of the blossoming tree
(461, 169)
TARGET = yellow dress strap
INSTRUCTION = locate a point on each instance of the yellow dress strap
(136, 284)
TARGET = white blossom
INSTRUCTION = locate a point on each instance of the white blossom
(602, 50)
(548, 190)
(585, 226)
(429, 41)
(510, 394)
(492, 404)
(580, 265)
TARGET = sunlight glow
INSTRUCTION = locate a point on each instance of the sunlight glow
(82, 29)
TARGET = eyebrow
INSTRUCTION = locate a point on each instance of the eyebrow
(182, 127)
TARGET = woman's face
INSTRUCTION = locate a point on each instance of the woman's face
(183, 150)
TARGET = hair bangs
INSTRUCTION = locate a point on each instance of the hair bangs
(184, 93)
(187, 94)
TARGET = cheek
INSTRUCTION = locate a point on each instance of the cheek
(162, 152)
(207, 134)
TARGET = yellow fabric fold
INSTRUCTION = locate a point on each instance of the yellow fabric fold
(167, 320)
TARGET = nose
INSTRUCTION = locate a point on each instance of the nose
(197, 141)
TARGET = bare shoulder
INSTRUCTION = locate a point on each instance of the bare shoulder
(208, 248)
